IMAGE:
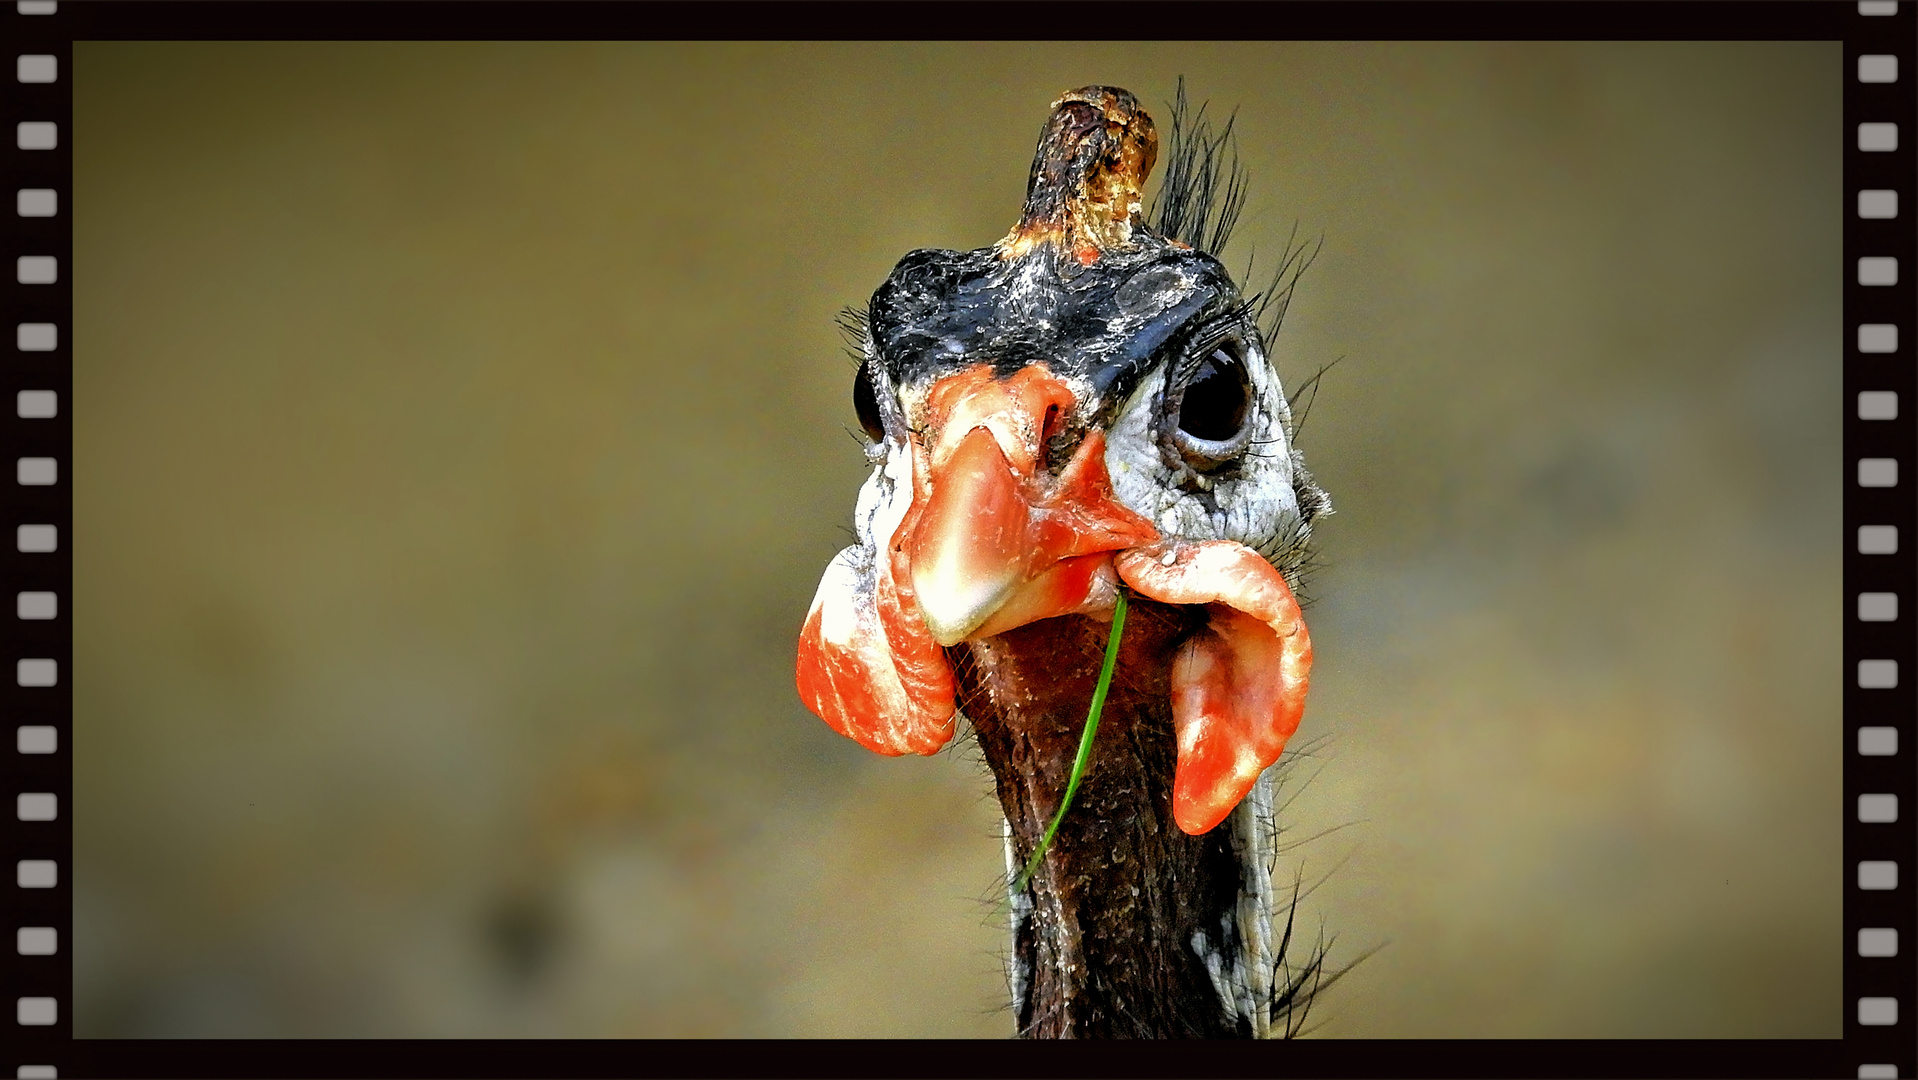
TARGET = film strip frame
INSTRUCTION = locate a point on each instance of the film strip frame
(1880, 529)
(1879, 642)
(39, 438)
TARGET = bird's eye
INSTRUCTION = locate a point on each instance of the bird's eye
(1215, 402)
(866, 405)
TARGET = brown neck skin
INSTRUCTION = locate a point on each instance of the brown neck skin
(1105, 947)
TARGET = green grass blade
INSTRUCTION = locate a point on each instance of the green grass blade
(1085, 742)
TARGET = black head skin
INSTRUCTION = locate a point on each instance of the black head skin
(1133, 928)
(1106, 324)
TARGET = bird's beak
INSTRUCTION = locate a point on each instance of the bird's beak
(995, 541)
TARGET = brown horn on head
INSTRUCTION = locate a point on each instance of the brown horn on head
(1094, 155)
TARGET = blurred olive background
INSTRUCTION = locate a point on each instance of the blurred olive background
(460, 432)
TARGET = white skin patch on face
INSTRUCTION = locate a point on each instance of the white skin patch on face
(884, 498)
(1254, 506)
(838, 597)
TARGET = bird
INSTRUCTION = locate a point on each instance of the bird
(1087, 409)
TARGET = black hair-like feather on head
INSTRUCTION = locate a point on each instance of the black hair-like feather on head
(1192, 207)
(1200, 199)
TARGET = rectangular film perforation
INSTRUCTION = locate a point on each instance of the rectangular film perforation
(45, 471)
(1874, 539)
(45, 404)
(40, 539)
(1878, 1011)
(1877, 741)
(1877, 607)
(1873, 472)
(36, 202)
(1877, 674)
(1877, 875)
(41, 68)
(1878, 809)
(36, 270)
(36, 806)
(36, 135)
(36, 605)
(1872, 404)
(1878, 941)
(1878, 138)
(36, 941)
(1878, 270)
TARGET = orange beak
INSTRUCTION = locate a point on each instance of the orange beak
(993, 542)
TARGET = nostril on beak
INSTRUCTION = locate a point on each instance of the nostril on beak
(1055, 446)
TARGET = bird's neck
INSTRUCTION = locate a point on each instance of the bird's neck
(1129, 926)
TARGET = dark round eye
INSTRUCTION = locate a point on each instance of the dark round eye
(1214, 405)
(866, 405)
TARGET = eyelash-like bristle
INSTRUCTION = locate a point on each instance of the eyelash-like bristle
(1205, 184)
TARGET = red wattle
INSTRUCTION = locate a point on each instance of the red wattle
(1239, 686)
(867, 665)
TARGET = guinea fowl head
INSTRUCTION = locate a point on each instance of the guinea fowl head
(1082, 408)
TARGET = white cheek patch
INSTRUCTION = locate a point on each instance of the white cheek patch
(1132, 456)
(836, 601)
(1253, 508)
(884, 498)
